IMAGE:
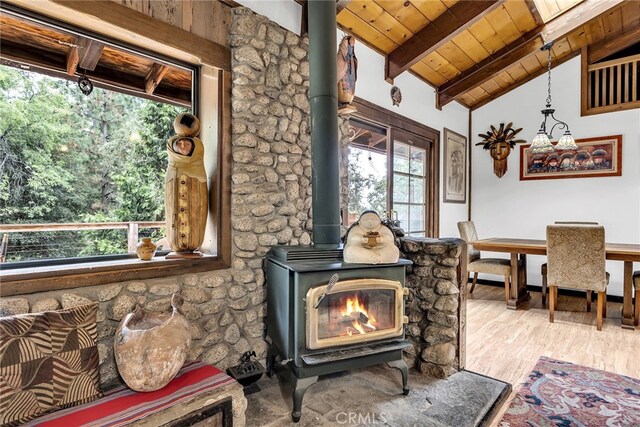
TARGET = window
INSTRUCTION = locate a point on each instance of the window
(410, 185)
(393, 169)
(82, 175)
(367, 168)
(93, 162)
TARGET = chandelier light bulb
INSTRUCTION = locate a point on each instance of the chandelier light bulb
(567, 142)
(541, 143)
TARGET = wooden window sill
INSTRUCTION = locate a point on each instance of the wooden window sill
(21, 281)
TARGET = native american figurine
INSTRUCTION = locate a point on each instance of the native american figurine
(369, 241)
(186, 196)
(347, 72)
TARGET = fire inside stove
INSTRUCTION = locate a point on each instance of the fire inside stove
(354, 317)
(356, 313)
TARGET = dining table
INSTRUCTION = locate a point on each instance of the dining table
(520, 248)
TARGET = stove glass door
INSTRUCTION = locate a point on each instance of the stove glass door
(354, 311)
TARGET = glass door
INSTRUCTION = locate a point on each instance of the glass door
(367, 169)
(409, 182)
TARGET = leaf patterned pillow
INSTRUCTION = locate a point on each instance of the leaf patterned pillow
(48, 361)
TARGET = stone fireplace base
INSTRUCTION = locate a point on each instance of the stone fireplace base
(371, 396)
(436, 306)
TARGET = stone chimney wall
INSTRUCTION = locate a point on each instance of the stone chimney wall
(436, 306)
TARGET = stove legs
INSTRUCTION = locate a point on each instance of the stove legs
(300, 385)
(271, 361)
(404, 370)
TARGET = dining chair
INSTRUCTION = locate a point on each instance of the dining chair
(476, 264)
(543, 267)
(576, 260)
(636, 285)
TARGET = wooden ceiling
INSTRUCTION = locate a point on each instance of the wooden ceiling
(474, 51)
(28, 45)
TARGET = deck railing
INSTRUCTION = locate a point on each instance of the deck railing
(613, 85)
(131, 227)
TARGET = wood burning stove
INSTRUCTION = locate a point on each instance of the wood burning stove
(318, 323)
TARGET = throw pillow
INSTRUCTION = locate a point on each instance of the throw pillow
(48, 361)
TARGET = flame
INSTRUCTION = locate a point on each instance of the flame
(353, 306)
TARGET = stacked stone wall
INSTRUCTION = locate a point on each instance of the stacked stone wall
(436, 304)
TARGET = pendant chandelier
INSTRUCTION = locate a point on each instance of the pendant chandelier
(542, 141)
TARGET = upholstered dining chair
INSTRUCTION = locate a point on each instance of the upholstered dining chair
(543, 267)
(576, 260)
(636, 285)
(476, 264)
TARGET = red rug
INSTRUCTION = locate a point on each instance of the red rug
(561, 394)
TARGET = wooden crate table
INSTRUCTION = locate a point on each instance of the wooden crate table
(199, 395)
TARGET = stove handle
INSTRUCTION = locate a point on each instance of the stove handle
(332, 282)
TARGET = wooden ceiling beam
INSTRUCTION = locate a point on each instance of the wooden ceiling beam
(489, 67)
(440, 31)
(89, 52)
(72, 60)
(154, 77)
(538, 73)
(614, 43)
(555, 29)
(53, 64)
(576, 17)
(533, 9)
(341, 4)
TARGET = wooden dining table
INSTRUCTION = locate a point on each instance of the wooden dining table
(520, 248)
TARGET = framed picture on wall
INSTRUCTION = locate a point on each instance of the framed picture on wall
(595, 157)
(455, 167)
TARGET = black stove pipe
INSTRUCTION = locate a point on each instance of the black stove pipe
(323, 98)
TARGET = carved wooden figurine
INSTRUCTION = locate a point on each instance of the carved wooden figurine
(347, 74)
(370, 242)
(186, 195)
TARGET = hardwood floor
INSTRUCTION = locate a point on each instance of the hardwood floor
(506, 344)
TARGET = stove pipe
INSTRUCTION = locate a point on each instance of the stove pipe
(323, 98)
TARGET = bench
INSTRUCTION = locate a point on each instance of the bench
(199, 393)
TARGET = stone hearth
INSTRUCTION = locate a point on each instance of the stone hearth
(372, 396)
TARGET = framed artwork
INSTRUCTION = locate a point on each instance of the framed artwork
(455, 167)
(595, 157)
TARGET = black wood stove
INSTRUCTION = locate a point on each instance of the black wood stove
(325, 316)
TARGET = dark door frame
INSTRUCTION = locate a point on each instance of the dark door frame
(371, 112)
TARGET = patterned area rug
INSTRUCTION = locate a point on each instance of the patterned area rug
(563, 394)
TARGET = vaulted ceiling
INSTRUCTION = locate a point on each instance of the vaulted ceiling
(475, 51)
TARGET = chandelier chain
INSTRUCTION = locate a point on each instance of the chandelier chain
(549, 79)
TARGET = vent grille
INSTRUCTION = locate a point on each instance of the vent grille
(314, 254)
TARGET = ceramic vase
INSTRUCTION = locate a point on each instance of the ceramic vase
(146, 249)
(150, 347)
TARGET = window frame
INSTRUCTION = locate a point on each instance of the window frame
(395, 123)
(89, 272)
(411, 140)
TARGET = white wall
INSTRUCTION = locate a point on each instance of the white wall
(418, 98)
(286, 13)
(418, 103)
(508, 207)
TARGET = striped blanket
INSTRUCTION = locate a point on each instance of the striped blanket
(123, 406)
